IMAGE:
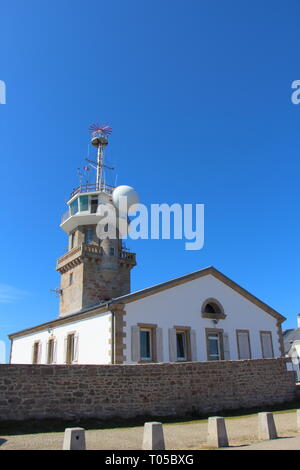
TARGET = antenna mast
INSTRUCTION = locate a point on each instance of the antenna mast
(100, 140)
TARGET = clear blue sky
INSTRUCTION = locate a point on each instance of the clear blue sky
(198, 95)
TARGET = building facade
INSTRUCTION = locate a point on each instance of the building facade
(202, 316)
(199, 317)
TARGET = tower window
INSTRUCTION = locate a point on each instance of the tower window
(88, 237)
(72, 240)
(71, 279)
(84, 203)
(74, 207)
(94, 204)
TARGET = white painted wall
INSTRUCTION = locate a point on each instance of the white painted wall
(294, 353)
(181, 305)
(93, 342)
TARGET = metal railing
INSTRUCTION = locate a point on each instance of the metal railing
(89, 188)
(127, 255)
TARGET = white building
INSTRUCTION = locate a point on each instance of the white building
(197, 317)
(291, 341)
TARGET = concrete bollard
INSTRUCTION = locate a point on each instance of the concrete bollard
(266, 426)
(298, 420)
(74, 439)
(153, 438)
(217, 434)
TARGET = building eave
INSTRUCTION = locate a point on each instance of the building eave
(77, 316)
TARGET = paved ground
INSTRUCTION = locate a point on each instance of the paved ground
(284, 443)
(242, 433)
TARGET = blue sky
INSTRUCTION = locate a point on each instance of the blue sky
(199, 97)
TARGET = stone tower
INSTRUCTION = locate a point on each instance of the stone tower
(92, 270)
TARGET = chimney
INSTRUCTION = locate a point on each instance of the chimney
(298, 320)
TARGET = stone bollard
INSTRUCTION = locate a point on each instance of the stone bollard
(298, 420)
(74, 439)
(266, 426)
(153, 438)
(217, 434)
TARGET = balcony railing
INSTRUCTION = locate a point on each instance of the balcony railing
(127, 255)
(77, 252)
(91, 251)
(90, 188)
(65, 216)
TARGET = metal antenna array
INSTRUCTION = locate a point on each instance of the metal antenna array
(99, 139)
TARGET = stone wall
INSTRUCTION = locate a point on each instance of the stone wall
(128, 391)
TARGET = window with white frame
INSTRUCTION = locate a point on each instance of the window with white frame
(215, 350)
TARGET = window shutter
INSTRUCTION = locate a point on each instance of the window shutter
(244, 349)
(226, 347)
(40, 354)
(267, 350)
(159, 345)
(54, 351)
(65, 349)
(193, 340)
(32, 354)
(47, 352)
(172, 345)
(135, 343)
(76, 345)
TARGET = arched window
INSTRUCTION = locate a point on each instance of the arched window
(212, 308)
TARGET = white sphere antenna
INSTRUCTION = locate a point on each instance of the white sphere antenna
(125, 194)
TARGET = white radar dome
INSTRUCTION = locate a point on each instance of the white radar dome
(120, 193)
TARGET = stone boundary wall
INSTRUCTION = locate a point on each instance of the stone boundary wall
(129, 391)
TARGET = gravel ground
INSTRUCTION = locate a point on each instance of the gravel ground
(184, 436)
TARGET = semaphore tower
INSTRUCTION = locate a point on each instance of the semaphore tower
(92, 270)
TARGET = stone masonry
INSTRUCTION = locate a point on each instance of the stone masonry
(90, 273)
(147, 390)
